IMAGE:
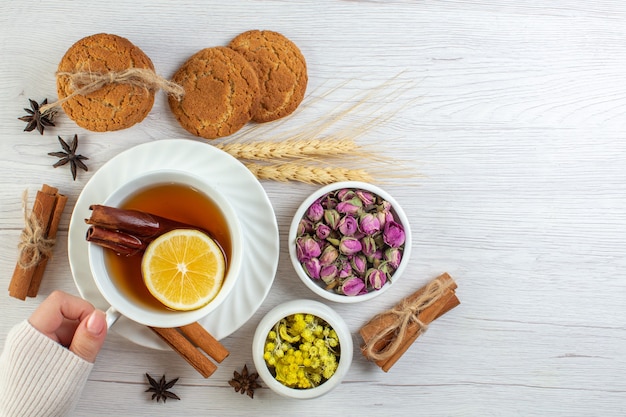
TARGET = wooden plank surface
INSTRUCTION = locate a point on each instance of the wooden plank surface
(513, 117)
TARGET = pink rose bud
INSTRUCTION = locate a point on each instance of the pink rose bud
(332, 217)
(345, 270)
(345, 194)
(307, 248)
(387, 269)
(368, 245)
(353, 286)
(347, 225)
(369, 224)
(315, 212)
(329, 255)
(349, 246)
(366, 197)
(352, 206)
(322, 231)
(305, 226)
(328, 273)
(393, 234)
(376, 278)
(393, 256)
(359, 264)
(312, 268)
(382, 218)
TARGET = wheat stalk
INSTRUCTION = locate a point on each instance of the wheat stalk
(302, 153)
(294, 149)
(309, 174)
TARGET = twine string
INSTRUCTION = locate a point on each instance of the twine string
(34, 245)
(85, 82)
(405, 314)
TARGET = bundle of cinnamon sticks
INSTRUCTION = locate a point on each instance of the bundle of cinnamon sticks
(37, 241)
(388, 335)
(186, 341)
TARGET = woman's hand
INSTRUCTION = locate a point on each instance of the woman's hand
(72, 322)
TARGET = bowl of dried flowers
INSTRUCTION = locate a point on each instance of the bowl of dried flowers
(302, 349)
(349, 241)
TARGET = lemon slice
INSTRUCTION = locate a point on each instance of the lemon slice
(183, 269)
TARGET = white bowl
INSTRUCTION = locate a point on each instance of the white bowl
(318, 286)
(120, 302)
(317, 309)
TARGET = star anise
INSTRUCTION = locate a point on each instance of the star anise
(161, 388)
(244, 383)
(69, 155)
(35, 119)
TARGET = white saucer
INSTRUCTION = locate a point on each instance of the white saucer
(234, 180)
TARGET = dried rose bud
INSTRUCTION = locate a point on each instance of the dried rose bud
(307, 248)
(329, 255)
(359, 264)
(376, 278)
(393, 234)
(369, 224)
(393, 256)
(345, 194)
(366, 197)
(304, 227)
(352, 206)
(353, 286)
(382, 219)
(328, 201)
(328, 273)
(312, 268)
(347, 225)
(387, 269)
(315, 212)
(322, 231)
(368, 245)
(345, 269)
(349, 245)
(331, 218)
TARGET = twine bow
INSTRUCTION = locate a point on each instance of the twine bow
(405, 313)
(85, 82)
(33, 241)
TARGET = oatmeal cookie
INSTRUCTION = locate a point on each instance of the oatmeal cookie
(221, 89)
(114, 106)
(281, 69)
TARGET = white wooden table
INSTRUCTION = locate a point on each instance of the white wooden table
(512, 113)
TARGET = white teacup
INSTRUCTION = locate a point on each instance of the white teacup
(125, 304)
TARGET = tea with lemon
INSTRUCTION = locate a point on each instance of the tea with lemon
(176, 202)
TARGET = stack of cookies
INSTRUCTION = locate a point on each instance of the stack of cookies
(261, 76)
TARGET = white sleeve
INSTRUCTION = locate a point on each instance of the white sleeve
(38, 376)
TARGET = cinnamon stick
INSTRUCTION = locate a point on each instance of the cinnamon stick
(121, 243)
(187, 350)
(41, 227)
(205, 341)
(35, 282)
(127, 231)
(388, 335)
